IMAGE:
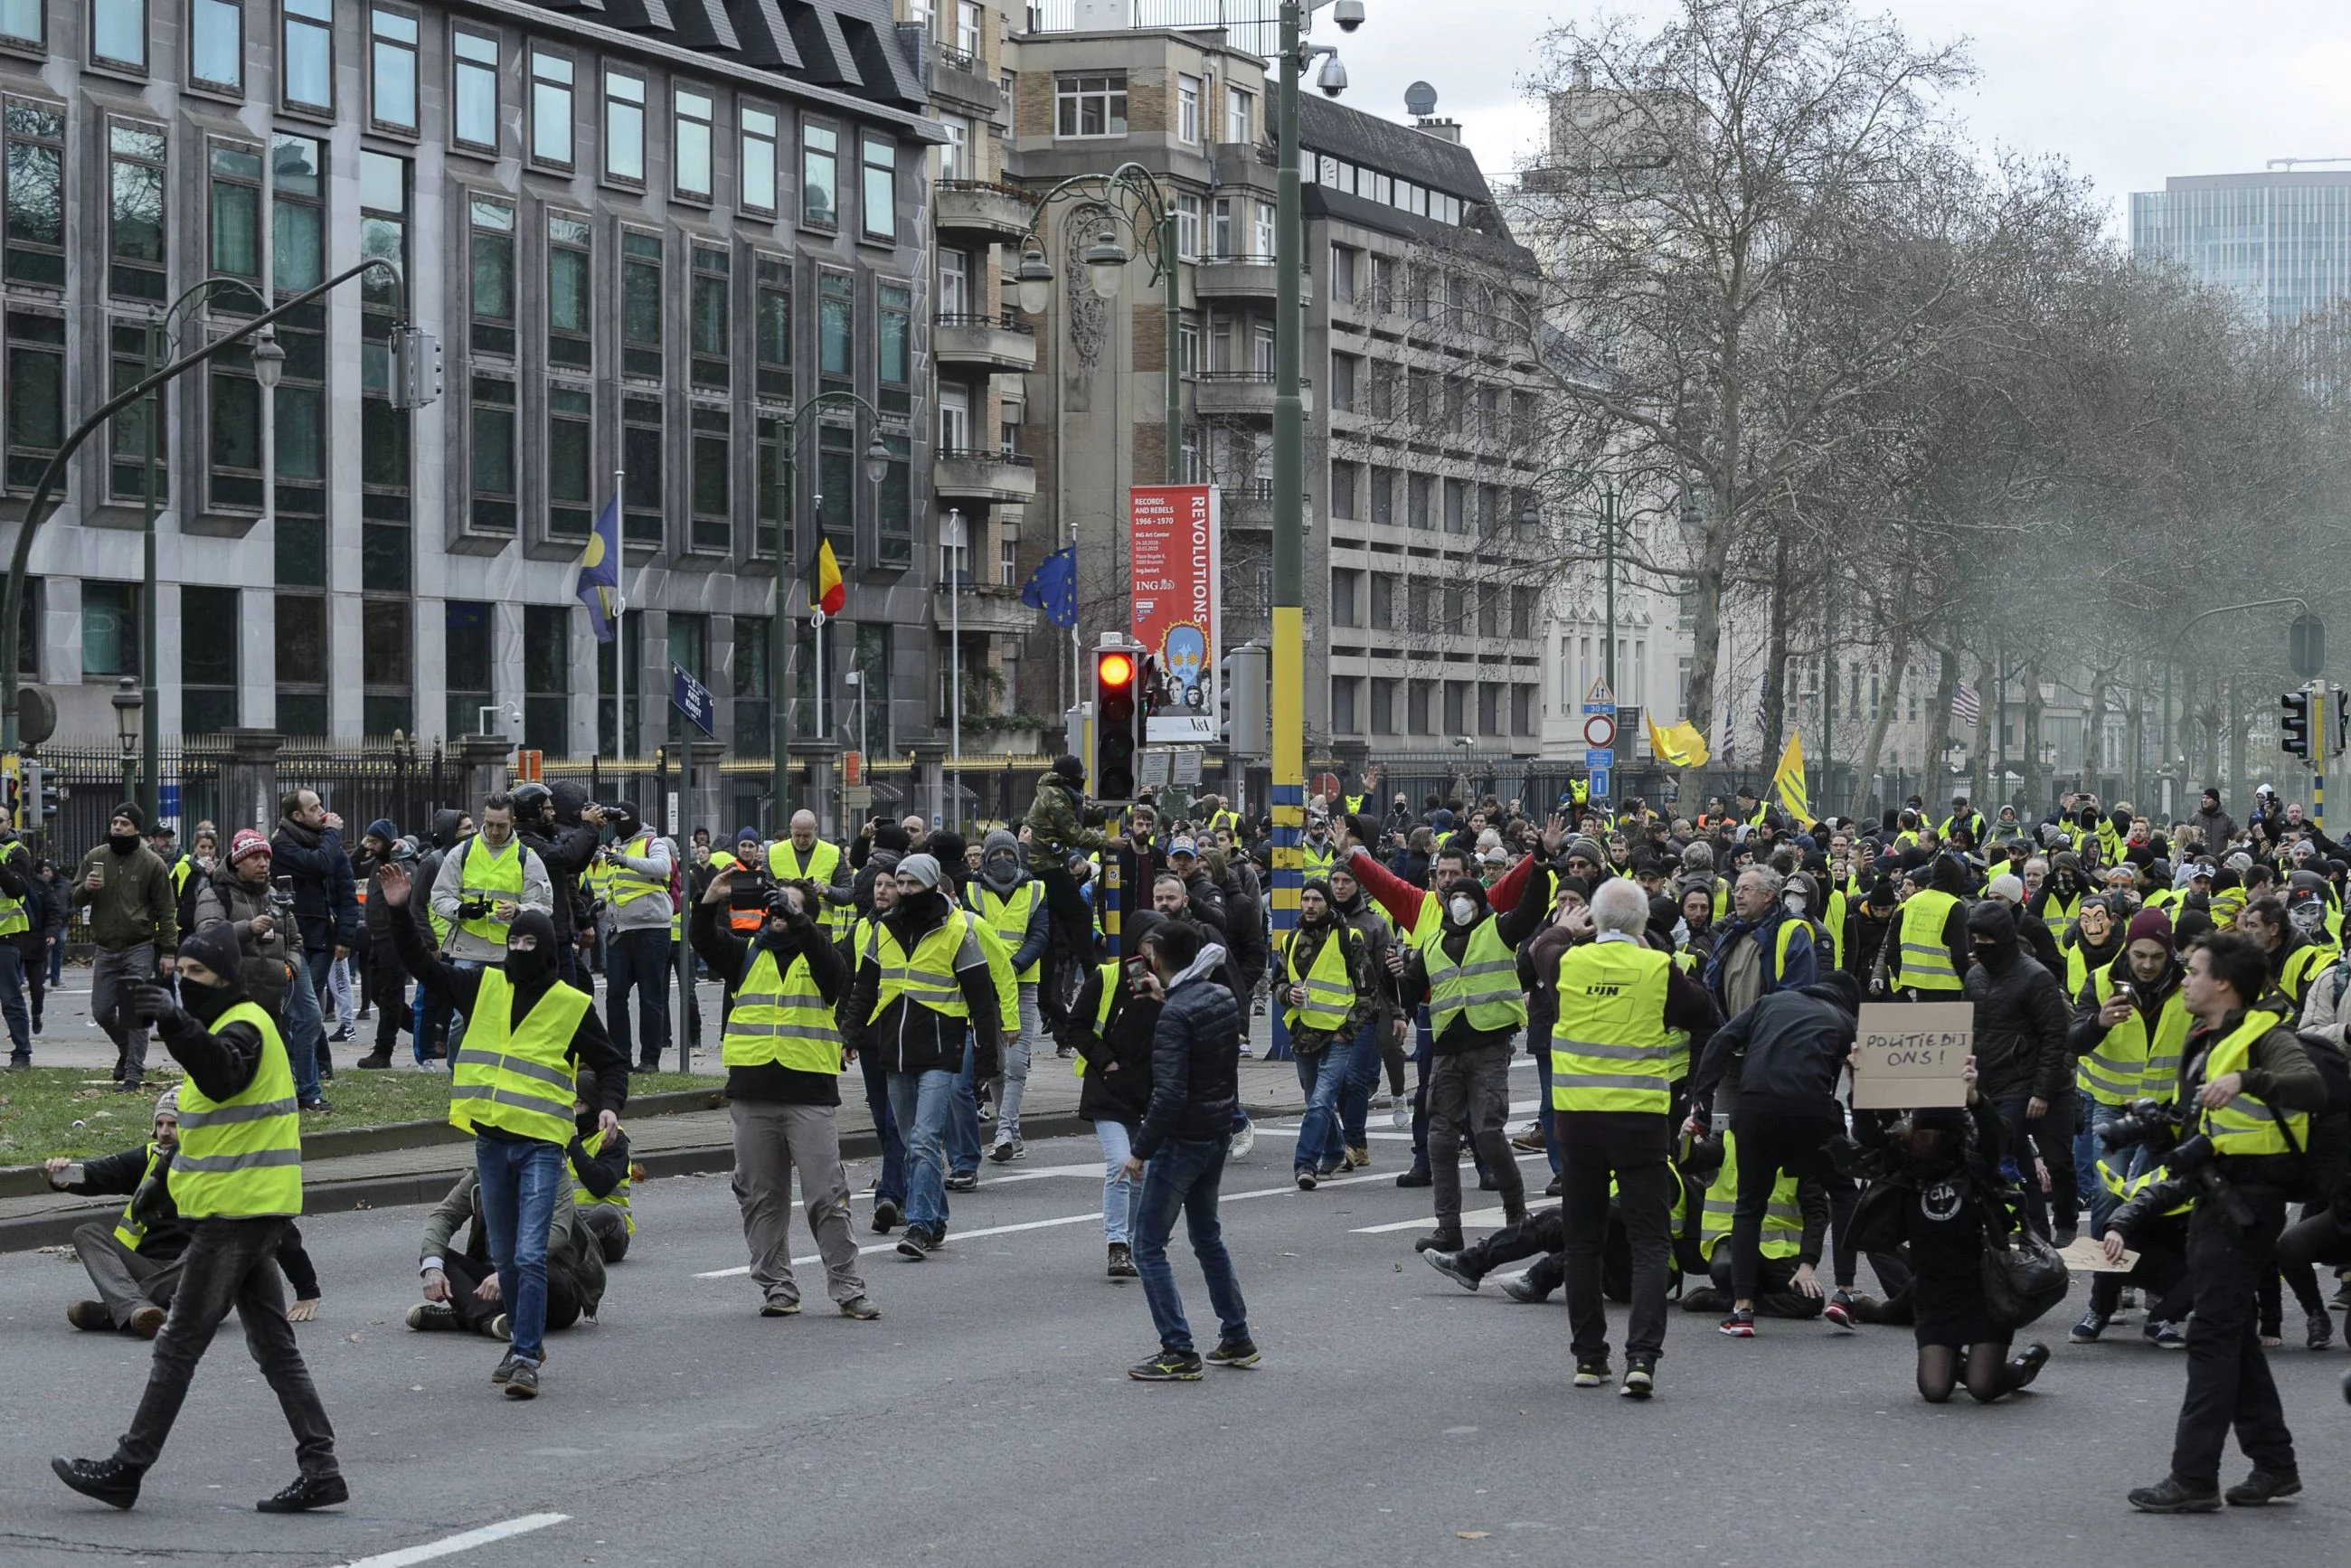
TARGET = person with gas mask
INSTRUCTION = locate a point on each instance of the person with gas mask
(782, 1049)
(2022, 1028)
(237, 1180)
(511, 1086)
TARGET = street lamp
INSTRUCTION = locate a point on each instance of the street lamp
(877, 459)
(128, 702)
(953, 537)
(1034, 282)
(268, 359)
(1106, 264)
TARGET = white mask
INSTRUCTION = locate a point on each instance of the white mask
(1465, 910)
(1793, 902)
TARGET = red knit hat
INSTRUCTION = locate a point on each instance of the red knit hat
(2149, 925)
(246, 843)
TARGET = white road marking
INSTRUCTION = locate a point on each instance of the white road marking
(1481, 1217)
(450, 1545)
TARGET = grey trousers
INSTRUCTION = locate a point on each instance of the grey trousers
(770, 1140)
(111, 975)
(124, 1280)
(1469, 1099)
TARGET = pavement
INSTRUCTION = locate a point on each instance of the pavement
(1395, 1418)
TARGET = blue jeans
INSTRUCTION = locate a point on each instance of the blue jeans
(1362, 1068)
(638, 962)
(520, 1182)
(892, 1184)
(1182, 1176)
(320, 965)
(12, 999)
(306, 1033)
(57, 962)
(1122, 1194)
(2127, 1163)
(1323, 1074)
(963, 1119)
(919, 1100)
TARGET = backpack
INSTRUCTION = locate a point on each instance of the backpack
(2326, 1164)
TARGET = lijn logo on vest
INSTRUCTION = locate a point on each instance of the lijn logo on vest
(1604, 990)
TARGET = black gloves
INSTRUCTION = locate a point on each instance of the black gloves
(153, 1004)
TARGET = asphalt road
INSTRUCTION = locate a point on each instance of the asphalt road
(986, 1418)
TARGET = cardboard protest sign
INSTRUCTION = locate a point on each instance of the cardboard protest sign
(1911, 1055)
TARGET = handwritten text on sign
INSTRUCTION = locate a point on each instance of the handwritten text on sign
(1912, 1055)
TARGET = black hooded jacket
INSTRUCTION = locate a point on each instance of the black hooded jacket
(1789, 1044)
(911, 1037)
(2022, 1021)
(564, 848)
(1116, 1085)
(427, 870)
(729, 957)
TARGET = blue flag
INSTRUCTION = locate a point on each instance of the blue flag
(599, 572)
(1053, 588)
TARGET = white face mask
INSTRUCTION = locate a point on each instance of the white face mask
(1465, 910)
(1793, 902)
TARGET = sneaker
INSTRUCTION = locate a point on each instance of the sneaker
(2168, 1495)
(1006, 1150)
(523, 1382)
(1122, 1262)
(504, 1371)
(1400, 1113)
(1307, 1175)
(2062, 1236)
(2128, 1302)
(887, 1217)
(1593, 1374)
(316, 1103)
(1640, 1378)
(1738, 1322)
(1361, 1158)
(1416, 1177)
(2026, 1364)
(110, 1481)
(2320, 1333)
(1330, 1168)
(1167, 1367)
(2165, 1335)
(858, 1307)
(1247, 1052)
(147, 1321)
(2341, 1300)
(307, 1492)
(962, 1181)
(1440, 1240)
(500, 1327)
(780, 1307)
(1523, 1288)
(915, 1244)
(1243, 1142)
(1839, 1314)
(2086, 1331)
(2260, 1487)
(1234, 1352)
(1449, 1263)
(339, 1036)
(90, 1317)
(430, 1316)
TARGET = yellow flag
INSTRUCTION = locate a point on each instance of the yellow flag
(1788, 779)
(1679, 746)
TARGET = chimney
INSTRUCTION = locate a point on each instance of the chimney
(1443, 130)
(1583, 76)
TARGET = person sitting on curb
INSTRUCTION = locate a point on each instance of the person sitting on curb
(462, 1289)
(600, 1172)
(133, 1260)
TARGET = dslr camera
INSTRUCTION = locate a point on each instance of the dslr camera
(2190, 1159)
(473, 909)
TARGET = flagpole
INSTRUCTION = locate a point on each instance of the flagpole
(822, 734)
(620, 646)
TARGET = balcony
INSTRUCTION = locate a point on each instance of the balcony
(959, 473)
(1244, 277)
(986, 608)
(1250, 163)
(1003, 342)
(1244, 393)
(959, 78)
(982, 207)
(1249, 506)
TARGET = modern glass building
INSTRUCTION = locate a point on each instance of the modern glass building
(2281, 239)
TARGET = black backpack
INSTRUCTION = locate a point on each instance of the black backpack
(2326, 1160)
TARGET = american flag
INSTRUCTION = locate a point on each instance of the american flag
(1763, 707)
(1964, 705)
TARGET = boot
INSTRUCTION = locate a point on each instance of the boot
(1416, 1177)
(1440, 1240)
(375, 1059)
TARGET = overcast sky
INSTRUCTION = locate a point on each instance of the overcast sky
(2128, 91)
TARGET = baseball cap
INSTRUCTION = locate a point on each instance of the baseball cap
(1184, 846)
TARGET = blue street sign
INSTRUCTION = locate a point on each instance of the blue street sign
(692, 698)
(1599, 783)
(167, 800)
(1599, 758)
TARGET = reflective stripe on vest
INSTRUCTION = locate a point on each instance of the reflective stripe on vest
(623, 885)
(127, 1230)
(2301, 966)
(2246, 1125)
(2114, 1069)
(928, 976)
(781, 1019)
(1610, 1049)
(617, 1198)
(2123, 1187)
(1110, 980)
(1485, 984)
(518, 1080)
(1330, 988)
(1009, 918)
(493, 877)
(1924, 963)
(818, 866)
(1783, 1218)
(241, 1159)
(16, 915)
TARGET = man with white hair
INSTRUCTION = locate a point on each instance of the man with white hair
(1624, 1009)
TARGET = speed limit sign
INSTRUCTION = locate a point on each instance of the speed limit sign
(1600, 730)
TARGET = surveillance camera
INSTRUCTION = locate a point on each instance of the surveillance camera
(1333, 77)
(1348, 14)
(1465, 741)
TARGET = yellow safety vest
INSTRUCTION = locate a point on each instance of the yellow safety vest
(927, 975)
(1485, 984)
(2247, 1126)
(623, 886)
(241, 1159)
(1314, 862)
(2301, 966)
(1610, 1049)
(617, 1198)
(13, 915)
(819, 866)
(1330, 988)
(518, 1080)
(1784, 1218)
(1836, 918)
(1009, 918)
(494, 876)
(2128, 1187)
(1925, 963)
(1111, 979)
(127, 1230)
(780, 1017)
(2126, 1065)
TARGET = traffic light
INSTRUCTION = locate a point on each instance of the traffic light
(1118, 723)
(39, 794)
(2338, 728)
(12, 789)
(2294, 723)
(1244, 725)
(415, 367)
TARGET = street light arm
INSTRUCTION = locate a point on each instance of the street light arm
(36, 512)
(204, 287)
(1131, 180)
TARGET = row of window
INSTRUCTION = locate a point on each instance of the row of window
(1432, 400)
(1446, 607)
(1371, 185)
(1362, 493)
(1094, 103)
(1379, 704)
(1424, 291)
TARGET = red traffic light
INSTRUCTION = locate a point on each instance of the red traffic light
(1115, 669)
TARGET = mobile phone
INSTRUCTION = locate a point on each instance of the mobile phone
(74, 1175)
(1135, 971)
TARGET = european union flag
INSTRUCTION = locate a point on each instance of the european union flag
(1053, 588)
(599, 572)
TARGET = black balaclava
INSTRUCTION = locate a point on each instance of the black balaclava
(215, 947)
(1992, 930)
(623, 816)
(530, 974)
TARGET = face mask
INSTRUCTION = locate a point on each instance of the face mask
(1793, 903)
(1464, 910)
(532, 968)
(122, 844)
(206, 1003)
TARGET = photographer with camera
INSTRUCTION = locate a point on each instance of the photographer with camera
(2246, 1092)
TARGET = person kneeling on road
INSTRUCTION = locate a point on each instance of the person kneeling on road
(600, 1172)
(511, 1086)
(464, 1289)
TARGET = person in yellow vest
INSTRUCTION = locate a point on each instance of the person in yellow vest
(2253, 1089)
(1110, 1031)
(2294, 959)
(638, 868)
(599, 1172)
(1623, 1009)
(484, 883)
(1012, 902)
(2130, 1024)
(1322, 981)
(1794, 1224)
(24, 921)
(802, 856)
(237, 1180)
(512, 1086)
(922, 980)
(783, 1052)
(1925, 955)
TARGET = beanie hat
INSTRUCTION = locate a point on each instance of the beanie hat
(750, 833)
(130, 812)
(921, 869)
(215, 947)
(246, 843)
(383, 828)
(1070, 768)
(169, 1104)
(2149, 925)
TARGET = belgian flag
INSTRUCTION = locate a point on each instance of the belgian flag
(825, 590)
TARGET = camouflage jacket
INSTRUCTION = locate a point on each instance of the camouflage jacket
(1057, 827)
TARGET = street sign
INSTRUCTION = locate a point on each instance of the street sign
(1188, 766)
(1600, 756)
(1598, 784)
(692, 698)
(852, 768)
(1157, 769)
(669, 819)
(2305, 645)
(1600, 699)
(1326, 785)
(1600, 729)
(167, 800)
(858, 796)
